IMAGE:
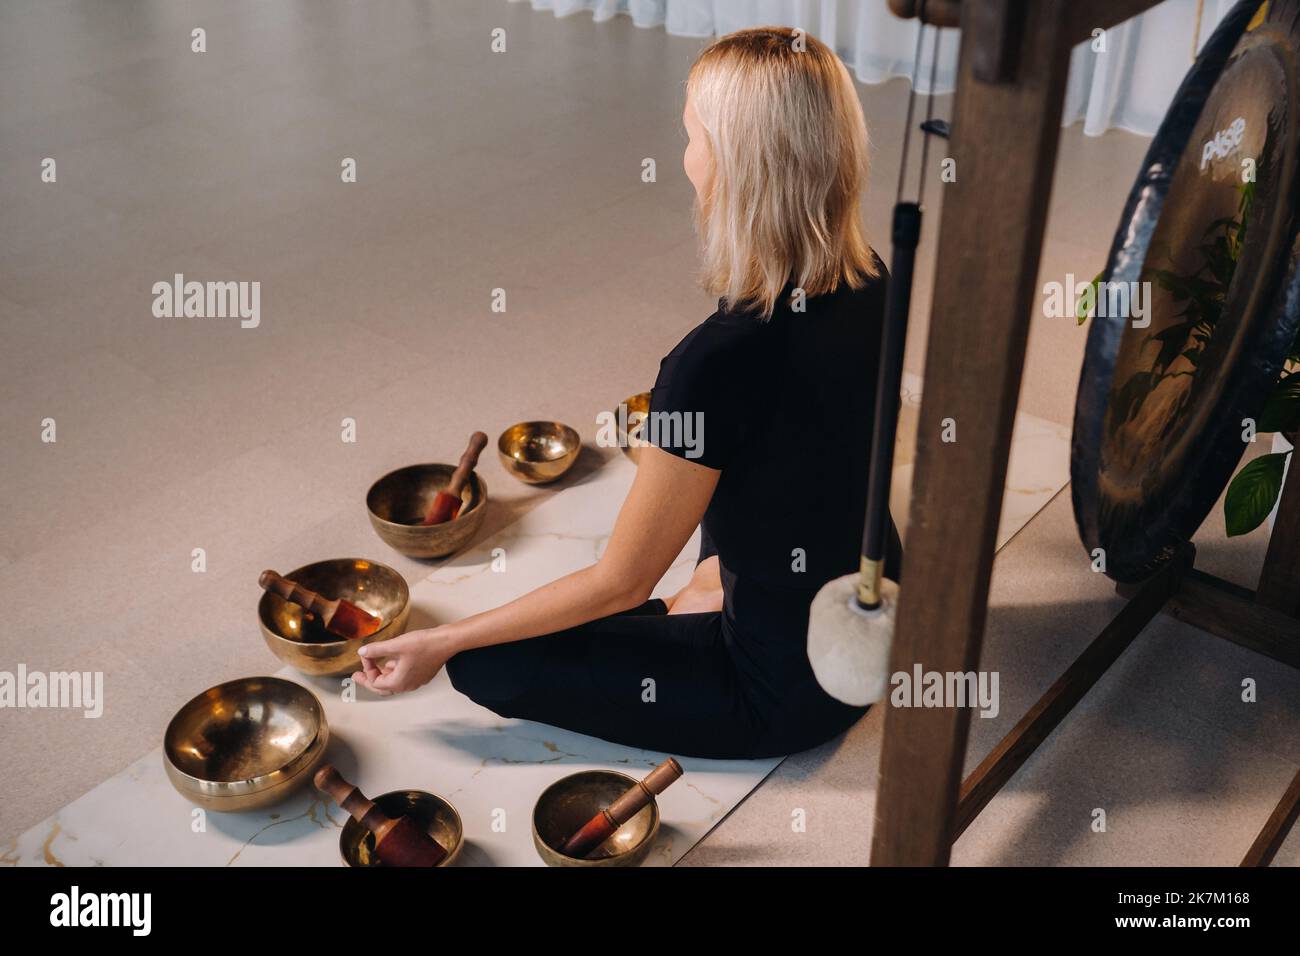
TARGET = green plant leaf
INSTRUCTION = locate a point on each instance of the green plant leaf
(1252, 493)
(1083, 315)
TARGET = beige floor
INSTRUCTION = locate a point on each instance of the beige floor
(1186, 772)
(476, 171)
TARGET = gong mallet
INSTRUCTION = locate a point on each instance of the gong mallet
(851, 621)
(599, 828)
(338, 617)
(446, 504)
(398, 842)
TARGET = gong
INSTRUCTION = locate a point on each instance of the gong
(1199, 301)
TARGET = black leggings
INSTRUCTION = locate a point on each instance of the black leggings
(643, 678)
(647, 679)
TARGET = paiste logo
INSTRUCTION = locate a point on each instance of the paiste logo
(1225, 142)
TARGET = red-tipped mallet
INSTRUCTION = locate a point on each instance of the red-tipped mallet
(447, 504)
(398, 842)
(600, 827)
(338, 617)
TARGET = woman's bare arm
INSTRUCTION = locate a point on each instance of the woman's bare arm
(667, 501)
(663, 508)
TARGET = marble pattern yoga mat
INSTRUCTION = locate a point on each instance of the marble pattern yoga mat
(491, 769)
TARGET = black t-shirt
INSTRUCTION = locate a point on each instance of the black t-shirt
(784, 409)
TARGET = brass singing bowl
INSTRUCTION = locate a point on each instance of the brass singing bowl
(538, 452)
(398, 502)
(629, 439)
(245, 744)
(571, 801)
(295, 635)
(433, 814)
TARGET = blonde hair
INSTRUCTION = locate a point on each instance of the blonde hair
(789, 158)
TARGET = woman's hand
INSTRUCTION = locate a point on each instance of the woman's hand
(405, 663)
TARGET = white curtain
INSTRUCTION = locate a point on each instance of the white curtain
(1127, 85)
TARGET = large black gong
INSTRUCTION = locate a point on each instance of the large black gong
(1209, 230)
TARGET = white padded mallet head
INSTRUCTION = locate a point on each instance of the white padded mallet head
(848, 647)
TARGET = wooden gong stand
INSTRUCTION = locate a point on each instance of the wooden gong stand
(1010, 88)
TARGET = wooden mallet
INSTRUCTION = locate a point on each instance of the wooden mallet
(338, 617)
(599, 828)
(447, 503)
(398, 842)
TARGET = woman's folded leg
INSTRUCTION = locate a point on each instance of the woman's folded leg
(648, 680)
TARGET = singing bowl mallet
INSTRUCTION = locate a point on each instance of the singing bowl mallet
(338, 617)
(602, 826)
(398, 842)
(446, 505)
(851, 620)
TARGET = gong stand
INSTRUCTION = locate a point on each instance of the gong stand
(1010, 88)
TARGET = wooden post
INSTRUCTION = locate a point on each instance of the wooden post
(1275, 831)
(1005, 134)
(1004, 142)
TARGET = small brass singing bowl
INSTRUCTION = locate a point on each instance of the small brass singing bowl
(566, 805)
(432, 813)
(295, 635)
(245, 744)
(629, 438)
(538, 452)
(398, 502)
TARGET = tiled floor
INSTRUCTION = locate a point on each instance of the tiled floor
(476, 171)
(463, 751)
(1185, 770)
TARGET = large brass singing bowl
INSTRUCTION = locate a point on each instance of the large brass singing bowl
(295, 636)
(571, 801)
(538, 452)
(245, 744)
(435, 815)
(629, 438)
(398, 502)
